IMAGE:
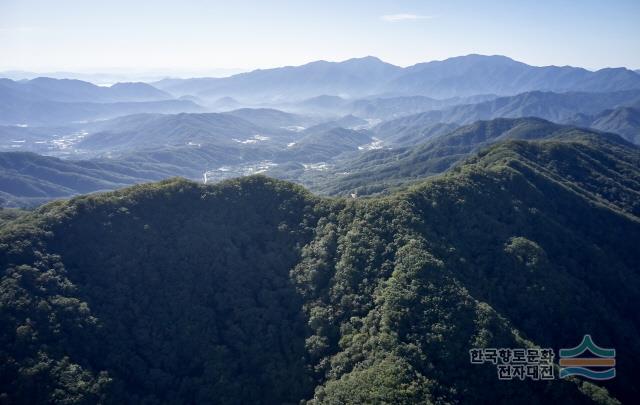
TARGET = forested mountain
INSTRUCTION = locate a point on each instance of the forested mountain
(557, 107)
(623, 120)
(28, 179)
(378, 170)
(272, 295)
(148, 130)
(328, 228)
(462, 76)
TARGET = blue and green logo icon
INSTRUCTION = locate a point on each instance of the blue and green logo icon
(600, 366)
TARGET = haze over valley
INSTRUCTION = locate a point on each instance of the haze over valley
(307, 124)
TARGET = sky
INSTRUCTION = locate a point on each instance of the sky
(199, 35)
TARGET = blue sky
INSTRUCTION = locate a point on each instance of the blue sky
(196, 34)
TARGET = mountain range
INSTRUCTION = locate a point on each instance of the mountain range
(462, 76)
(67, 90)
(381, 170)
(557, 107)
(622, 120)
(46, 101)
(366, 87)
(327, 158)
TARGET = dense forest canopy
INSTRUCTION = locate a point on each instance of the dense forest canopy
(256, 291)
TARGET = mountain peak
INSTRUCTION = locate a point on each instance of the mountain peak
(475, 58)
(365, 59)
(130, 85)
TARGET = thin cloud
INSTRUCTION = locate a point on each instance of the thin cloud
(404, 17)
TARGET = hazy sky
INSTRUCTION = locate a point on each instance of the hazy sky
(45, 35)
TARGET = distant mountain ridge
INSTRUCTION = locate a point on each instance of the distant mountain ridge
(349, 78)
(61, 113)
(461, 76)
(622, 120)
(70, 90)
(480, 74)
(46, 101)
(557, 107)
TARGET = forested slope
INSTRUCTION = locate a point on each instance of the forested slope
(383, 170)
(28, 179)
(255, 291)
